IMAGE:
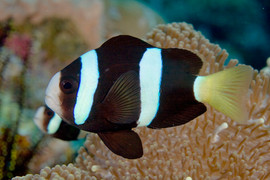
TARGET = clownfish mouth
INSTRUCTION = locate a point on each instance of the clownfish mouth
(38, 118)
(53, 104)
(52, 94)
(51, 101)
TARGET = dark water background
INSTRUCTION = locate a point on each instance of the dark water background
(240, 26)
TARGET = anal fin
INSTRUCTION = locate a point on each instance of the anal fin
(125, 143)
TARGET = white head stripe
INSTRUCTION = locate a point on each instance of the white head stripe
(87, 88)
(54, 124)
(150, 79)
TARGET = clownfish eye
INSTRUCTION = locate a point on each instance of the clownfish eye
(68, 85)
(49, 113)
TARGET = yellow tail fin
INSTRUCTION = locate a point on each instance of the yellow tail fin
(226, 91)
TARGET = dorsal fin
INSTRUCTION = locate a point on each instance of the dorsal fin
(122, 103)
(126, 41)
(190, 62)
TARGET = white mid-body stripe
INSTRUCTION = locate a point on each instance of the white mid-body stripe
(150, 79)
(54, 124)
(87, 88)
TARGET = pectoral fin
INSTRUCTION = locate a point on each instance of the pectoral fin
(122, 103)
(125, 143)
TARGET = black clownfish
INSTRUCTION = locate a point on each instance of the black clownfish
(50, 123)
(127, 83)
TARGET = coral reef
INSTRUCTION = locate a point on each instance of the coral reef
(129, 17)
(211, 146)
(36, 11)
(13, 145)
(94, 19)
(19, 140)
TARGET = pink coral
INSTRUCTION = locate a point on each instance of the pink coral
(94, 19)
(20, 45)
